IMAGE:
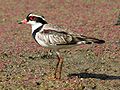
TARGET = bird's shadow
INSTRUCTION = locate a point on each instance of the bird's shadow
(97, 76)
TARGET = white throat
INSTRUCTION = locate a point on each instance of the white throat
(35, 26)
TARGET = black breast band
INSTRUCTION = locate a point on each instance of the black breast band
(35, 31)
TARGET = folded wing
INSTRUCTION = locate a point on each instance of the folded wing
(54, 37)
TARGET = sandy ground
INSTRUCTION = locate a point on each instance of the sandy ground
(24, 65)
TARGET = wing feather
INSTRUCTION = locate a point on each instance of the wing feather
(58, 37)
(55, 35)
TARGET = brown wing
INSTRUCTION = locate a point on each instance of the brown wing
(58, 37)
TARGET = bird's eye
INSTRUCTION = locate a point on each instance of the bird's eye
(32, 18)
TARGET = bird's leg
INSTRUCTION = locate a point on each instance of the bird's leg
(58, 66)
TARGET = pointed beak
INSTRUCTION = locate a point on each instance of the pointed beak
(23, 21)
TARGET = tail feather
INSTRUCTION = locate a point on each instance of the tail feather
(94, 40)
(89, 40)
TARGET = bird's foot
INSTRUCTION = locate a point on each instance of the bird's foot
(57, 76)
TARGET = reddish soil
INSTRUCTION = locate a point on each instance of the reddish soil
(24, 65)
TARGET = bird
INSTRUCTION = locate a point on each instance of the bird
(55, 37)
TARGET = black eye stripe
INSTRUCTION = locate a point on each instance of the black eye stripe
(39, 19)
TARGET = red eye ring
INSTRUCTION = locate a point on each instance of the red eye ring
(32, 18)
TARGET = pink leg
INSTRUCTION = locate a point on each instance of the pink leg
(58, 66)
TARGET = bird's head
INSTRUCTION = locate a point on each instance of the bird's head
(33, 19)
